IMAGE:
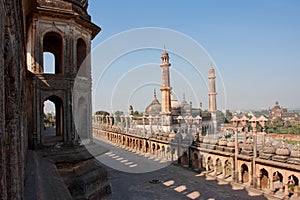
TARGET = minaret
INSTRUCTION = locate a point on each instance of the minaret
(212, 91)
(165, 91)
(212, 98)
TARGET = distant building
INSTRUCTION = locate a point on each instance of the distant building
(279, 112)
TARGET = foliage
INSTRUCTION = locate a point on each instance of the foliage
(137, 114)
(102, 112)
(118, 115)
(278, 125)
(228, 116)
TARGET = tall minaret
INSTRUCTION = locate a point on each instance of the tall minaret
(212, 98)
(212, 91)
(165, 91)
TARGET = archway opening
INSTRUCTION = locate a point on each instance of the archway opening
(52, 43)
(210, 164)
(153, 148)
(245, 173)
(184, 159)
(228, 168)
(264, 180)
(293, 184)
(277, 181)
(196, 161)
(147, 147)
(52, 130)
(219, 167)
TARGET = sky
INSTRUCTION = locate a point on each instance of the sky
(254, 46)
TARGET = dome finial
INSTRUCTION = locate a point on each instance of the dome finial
(183, 95)
(154, 93)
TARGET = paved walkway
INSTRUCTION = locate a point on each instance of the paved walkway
(168, 182)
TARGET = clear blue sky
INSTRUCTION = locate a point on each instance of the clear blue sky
(254, 43)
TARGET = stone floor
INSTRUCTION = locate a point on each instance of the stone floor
(168, 182)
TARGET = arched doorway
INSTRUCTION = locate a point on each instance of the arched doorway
(52, 130)
(277, 181)
(245, 173)
(293, 182)
(184, 159)
(219, 167)
(264, 179)
(141, 145)
(228, 168)
(147, 147)
(153, 148)
(196, 161)
(210, 164)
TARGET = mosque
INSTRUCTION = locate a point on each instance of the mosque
(170, 111)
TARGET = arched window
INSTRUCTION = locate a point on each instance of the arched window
(52, 43)
(81, 55)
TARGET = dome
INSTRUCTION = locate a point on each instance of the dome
(223, 141)
(174, 103)
(295, 153)
(283, 150)
(269, 149)
(154, 108)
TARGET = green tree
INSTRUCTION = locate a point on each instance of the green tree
(137, 114)
(228, 116)
(102, 112)
(118, 115)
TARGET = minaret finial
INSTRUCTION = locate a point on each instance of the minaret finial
(154, 93)
(183, 95)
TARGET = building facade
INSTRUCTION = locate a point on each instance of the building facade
(28, 29)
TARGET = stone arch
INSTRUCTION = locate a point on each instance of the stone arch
(153, 148)
(163, 151)
(209, 163)
(81, 52)
(264, 179)
(245, 173)
(293, 184)
(124, 140)
(140, 144)
(184, 158)
(53, 43)
(219, 167)
(277, 181)
(130, 143)
(147, 147)
(59, 121)
(196, 161)
(228, 168)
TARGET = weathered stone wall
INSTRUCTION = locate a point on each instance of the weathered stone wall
(12, 100)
